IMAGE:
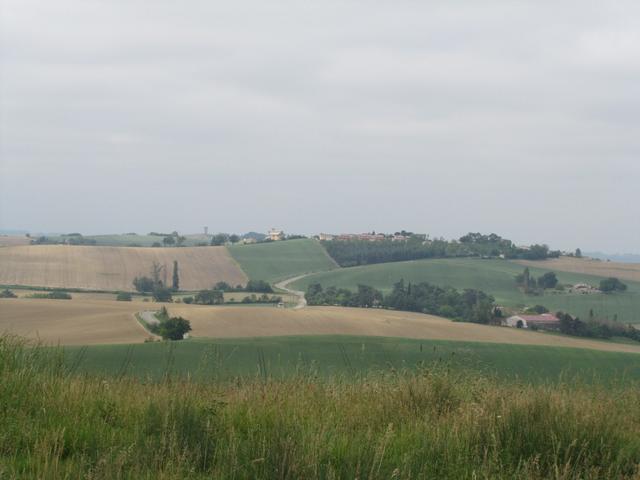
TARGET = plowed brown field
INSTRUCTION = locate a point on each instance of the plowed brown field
(628, 271)
(113, 268)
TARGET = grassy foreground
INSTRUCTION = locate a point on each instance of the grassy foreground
(431, 424)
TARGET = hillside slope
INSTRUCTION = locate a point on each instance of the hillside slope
(492, 276)
(82, 322)
(113, 268)
(624, 271)
(279, 260)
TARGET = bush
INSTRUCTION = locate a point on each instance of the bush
(548, 280)
(162, 294)
(259, 286)
(174, 328)
(612, 284)
(539, 309)
(55, 295)
(6, 293)
(123, 297)
(209, 297)
(187, 300)
(143, 284)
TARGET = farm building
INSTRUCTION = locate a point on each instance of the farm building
(368, 237)
(275, 234)
(544, 321)
(326, 236)
(584, 288)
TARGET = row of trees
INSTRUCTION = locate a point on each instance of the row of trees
(594, 328)
(533, 285)
(68, 239)
(216, 297)
(156, 285)
(348, 253)
(258, 286)
(469, 305)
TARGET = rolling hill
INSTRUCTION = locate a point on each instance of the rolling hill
(279, 260)
(81, 322)
(492, 276)
(113, 268)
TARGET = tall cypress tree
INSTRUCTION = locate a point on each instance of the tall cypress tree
(176, 279)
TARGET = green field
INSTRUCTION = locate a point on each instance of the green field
(434, 422)
(493, 276)
(327, 356)
(279, 260)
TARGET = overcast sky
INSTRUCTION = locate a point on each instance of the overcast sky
(515, 117)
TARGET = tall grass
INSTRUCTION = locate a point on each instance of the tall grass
(436, 423)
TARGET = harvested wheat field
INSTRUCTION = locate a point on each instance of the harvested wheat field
(627, 271)
(229, 322)
(13, 240)
(113, 268)
(86, 322)
(72, 322)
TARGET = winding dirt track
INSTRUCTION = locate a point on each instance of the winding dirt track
(114, 268)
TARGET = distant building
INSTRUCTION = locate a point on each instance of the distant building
(326, 237)
(368, 237)
(275, 234)
(544, 321)
(248, 240)
(400, 238)
(584, 288)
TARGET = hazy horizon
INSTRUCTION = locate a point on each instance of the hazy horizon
(517, 118)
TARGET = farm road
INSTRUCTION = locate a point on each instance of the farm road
(302, 302)
(149, 317)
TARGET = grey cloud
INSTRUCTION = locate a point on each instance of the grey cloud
(518, 117)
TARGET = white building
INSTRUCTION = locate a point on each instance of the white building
(275, 234)
(546, 320)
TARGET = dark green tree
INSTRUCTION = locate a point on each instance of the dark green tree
(123, 297)
(143, 284)
(548, 280)
(175, 283)
(174, 328)
(612, 284)
(209, 297)
(162, 294)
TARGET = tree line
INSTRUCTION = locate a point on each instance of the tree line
(596, 328)
(349, 253)
(468, 305)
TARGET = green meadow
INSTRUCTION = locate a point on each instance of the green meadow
(493, 276)
(61, 420)
(275, 261)
(346, 357)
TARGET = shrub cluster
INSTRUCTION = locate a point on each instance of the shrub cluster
(54, 295)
